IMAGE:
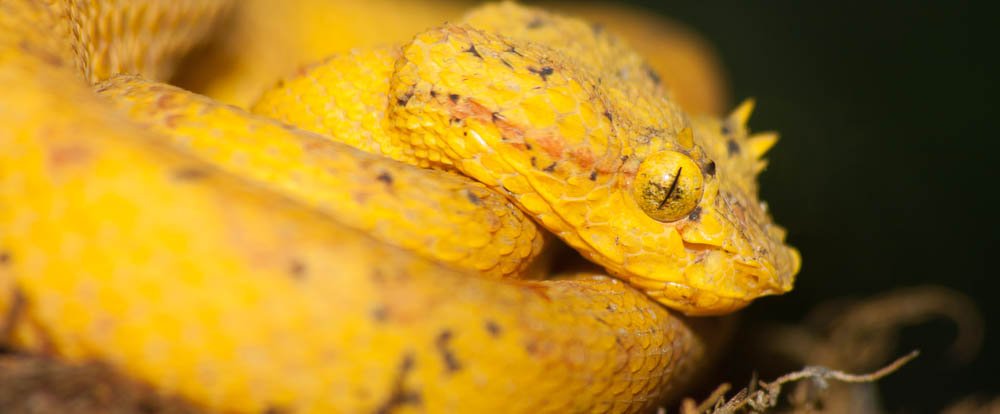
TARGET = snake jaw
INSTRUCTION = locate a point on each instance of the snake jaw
(703, 265)
(716, 282)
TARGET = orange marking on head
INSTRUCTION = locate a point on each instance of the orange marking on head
(551, 144)
(172, 120)
(509, 131)
(68, 155)
(582, 156)
(469, 108)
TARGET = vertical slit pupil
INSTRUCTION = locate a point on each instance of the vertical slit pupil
(673, 187)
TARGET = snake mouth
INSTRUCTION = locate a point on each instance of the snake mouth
(721, 280)
(746, 284)
(760, 278)
(770, 270)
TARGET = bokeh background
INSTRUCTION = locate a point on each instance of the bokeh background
(887, 170)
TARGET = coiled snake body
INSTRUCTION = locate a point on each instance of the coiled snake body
(247, 265)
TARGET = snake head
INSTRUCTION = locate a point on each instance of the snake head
(708, 245)
(595, 150)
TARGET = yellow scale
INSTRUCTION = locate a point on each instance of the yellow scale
(246, 265)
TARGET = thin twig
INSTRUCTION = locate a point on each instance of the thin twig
(824, 373)
(767, 396)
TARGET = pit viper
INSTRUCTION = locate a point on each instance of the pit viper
(248, 265)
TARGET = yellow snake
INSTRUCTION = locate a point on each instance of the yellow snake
(247, 265)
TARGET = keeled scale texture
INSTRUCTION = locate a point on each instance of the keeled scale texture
(120, 247)
(444, 217)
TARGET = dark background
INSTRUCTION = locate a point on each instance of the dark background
(886, 168)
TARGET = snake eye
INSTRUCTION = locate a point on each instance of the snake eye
(668, 186)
